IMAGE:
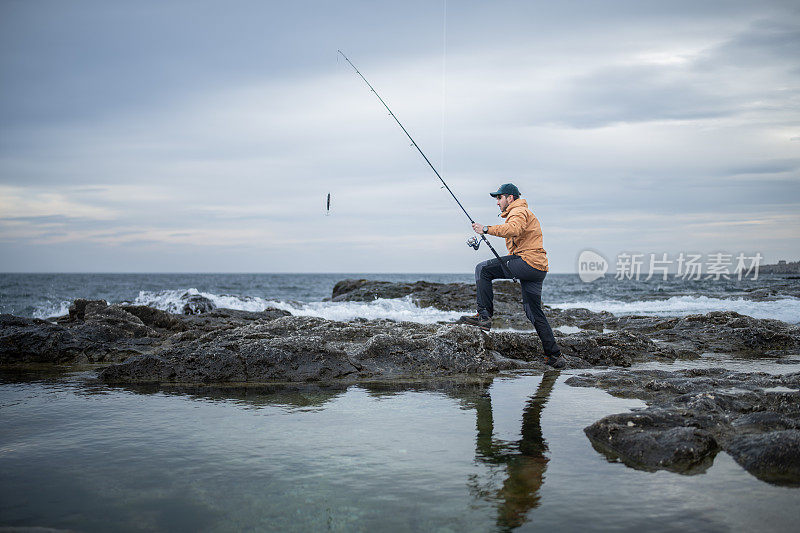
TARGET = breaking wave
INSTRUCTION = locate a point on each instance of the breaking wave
(785, 309)
(50, 310)
(402, 309)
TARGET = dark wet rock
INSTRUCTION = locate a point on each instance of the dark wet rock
(101, 313)
(78, 308)
(95, 332)
(617, 348)
(681, 337)
(762, 421)
(292, 348)
(654, 440)
(313, 349)
(773, 456)
(444, 296)
(581, 318)
(774, 292)
(228, 318)
(222, 345)
(156, 318)
(719, 331)
(30, 340)
(107, 333)
(586, 349)
(196, 304)
(754, 416)
(512, 345)
(225, 345)
(112, 322)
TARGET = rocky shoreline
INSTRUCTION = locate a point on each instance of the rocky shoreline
(139, 344)
(692, 414)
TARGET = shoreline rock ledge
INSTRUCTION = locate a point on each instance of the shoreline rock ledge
(139, 344)
(695, 413)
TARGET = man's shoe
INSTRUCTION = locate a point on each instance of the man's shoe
(485, 323)
(555, 361)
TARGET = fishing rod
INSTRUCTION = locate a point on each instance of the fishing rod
(472, 242)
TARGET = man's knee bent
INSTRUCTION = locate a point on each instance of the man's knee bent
(479, 269)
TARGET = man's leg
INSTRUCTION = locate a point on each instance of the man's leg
(532, 302)
(531, 280)
(485, 273)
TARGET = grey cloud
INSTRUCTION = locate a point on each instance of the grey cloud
(638, 94)
(766, 43)
(46, 219)
(766, 167)
(73, 62)
(698, 89)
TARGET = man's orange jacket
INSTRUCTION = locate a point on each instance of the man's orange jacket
(522, 233)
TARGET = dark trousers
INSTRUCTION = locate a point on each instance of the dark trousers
(531, 280)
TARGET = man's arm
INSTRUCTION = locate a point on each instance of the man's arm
(516, 222)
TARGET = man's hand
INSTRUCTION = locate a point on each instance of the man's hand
(478, 228)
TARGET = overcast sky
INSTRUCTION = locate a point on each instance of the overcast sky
(204, 136)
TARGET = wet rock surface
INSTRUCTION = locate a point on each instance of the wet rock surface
(687, 337)
(693, 414)
(444, 296)
(96, 332)
(312, 349)
(196, 304)
(719, 331)
(144, 344)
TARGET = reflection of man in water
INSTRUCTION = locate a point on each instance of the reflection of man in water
(525, 459)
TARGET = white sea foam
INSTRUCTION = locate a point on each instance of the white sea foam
(786, 309)
(171, 300)
(402, 309)
(51, 310)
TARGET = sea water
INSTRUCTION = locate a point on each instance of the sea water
(47, 295)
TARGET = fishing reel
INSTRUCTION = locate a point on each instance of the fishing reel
(474, 242)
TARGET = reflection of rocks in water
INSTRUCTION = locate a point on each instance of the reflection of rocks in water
(284, 395)
(524, 460)
(462, 388)
(303, 395)
(692, 414)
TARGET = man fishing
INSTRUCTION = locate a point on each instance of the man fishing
(527, 262)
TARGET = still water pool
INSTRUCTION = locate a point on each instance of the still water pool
(484, 454)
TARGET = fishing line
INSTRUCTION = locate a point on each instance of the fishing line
(444, 80)
(415, 145)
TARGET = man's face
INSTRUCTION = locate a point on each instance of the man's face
(503, 200)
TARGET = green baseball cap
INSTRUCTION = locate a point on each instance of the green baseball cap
(506, 188)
